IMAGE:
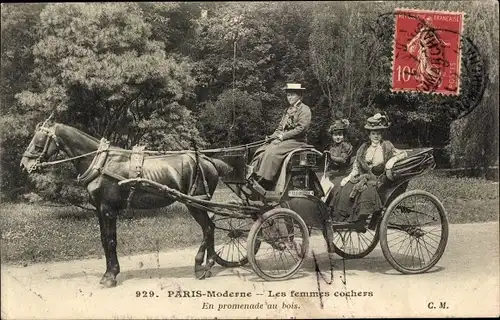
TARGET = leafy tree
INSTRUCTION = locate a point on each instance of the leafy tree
(97, 66)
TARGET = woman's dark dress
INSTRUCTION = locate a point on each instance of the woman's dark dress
(359, 196)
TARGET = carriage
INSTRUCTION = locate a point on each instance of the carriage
(271, 229)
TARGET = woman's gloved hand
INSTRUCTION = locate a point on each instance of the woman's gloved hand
(345, 181)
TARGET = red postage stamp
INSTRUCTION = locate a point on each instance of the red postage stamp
(427, 51)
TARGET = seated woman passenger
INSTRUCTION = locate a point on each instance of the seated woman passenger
(340, 151)
(290, 134)
(358, 198)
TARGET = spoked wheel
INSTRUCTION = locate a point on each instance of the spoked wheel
(284, 238)
(351, 244)
(414, 232)
(231, 241)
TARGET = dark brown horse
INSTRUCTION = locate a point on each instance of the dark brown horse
(101, 167)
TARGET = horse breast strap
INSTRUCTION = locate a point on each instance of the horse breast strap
(136, 162)
(99, 160)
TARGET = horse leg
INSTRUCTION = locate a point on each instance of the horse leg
(103, 242)
(210, 245)
(108, 216)
(204, 221)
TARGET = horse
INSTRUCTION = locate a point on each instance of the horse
(101, 173)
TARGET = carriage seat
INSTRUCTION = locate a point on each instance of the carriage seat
(300, 157)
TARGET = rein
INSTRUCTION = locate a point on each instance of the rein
(97, 165)
(49, 163)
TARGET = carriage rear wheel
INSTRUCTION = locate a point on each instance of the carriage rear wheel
(414, 232)
(231, 241)
(352, 244)
(284, 239)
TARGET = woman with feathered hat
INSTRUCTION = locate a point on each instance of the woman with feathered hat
(358, 197)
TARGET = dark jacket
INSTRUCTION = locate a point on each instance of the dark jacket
(294, 123)
(342, 150)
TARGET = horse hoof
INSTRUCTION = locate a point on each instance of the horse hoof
(199, 272)
(108, 283)
(208, 274)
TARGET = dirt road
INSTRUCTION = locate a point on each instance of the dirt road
(464, 283)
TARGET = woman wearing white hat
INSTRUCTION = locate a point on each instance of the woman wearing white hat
(290, 134)
(358, 197)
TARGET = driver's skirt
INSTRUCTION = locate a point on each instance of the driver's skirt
(268, 158)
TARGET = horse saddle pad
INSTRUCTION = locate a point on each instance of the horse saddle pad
(136, 161)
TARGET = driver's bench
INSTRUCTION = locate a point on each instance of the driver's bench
(297, 177)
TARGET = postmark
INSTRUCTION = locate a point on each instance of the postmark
(427, 51)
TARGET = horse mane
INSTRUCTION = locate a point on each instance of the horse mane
(80, 132)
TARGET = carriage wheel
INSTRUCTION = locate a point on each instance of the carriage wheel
(350, 244)
(232, 234)
(284, 238)
(414, 232)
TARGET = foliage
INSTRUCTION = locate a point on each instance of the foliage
(19, 33)
(219, 121)
(474, 139)
(165, 74)
(98, 68)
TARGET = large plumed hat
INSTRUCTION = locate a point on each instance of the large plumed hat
(339, 125)
(377, 122)
(293, 87)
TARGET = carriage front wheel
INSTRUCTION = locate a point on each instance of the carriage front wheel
(284, 242)
(414, 232)
(231, 241)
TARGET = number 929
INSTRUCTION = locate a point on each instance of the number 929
(145, 294)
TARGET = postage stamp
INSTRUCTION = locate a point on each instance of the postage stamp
(427, 51)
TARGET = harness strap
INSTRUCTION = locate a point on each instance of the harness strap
(136, 161)
(93, 170)
(199, 169)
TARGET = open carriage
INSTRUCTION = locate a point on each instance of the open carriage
(272, 229)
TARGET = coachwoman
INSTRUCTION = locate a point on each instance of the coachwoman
(290, 134)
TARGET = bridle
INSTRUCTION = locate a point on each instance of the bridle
(49, 134)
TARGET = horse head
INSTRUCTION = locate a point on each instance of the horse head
(42, 147)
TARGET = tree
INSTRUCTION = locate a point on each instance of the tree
(97, 66)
